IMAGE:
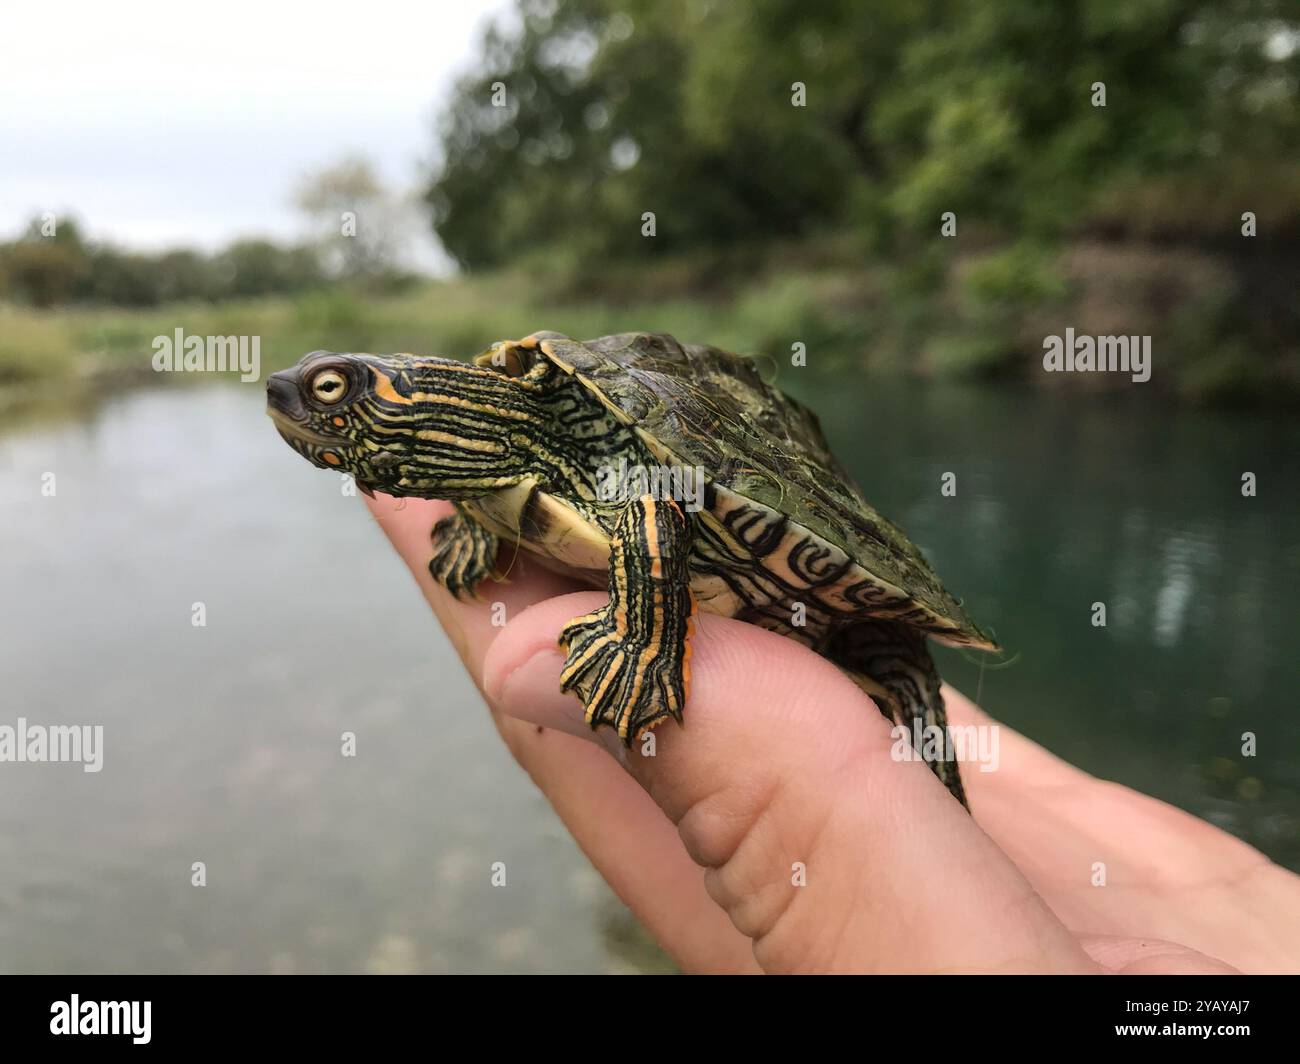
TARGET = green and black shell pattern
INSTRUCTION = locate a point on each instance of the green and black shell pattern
(699, 406)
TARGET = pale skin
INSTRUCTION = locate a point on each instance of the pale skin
(782, 760)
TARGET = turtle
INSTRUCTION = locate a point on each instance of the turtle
(671, 474)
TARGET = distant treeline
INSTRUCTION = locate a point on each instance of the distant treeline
(53, 264)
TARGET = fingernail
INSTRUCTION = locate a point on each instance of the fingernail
(532, 692)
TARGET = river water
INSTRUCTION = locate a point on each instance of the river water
(222, 741)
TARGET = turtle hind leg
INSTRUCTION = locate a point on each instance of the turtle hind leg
(628, 661)
(464, 554)
(891, 663)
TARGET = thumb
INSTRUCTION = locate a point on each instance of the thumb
(824, 850)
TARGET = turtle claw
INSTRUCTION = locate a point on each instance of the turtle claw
(623, 683)
(464, 555)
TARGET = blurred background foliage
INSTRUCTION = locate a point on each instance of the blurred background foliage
(1125, 217)
(799, 160)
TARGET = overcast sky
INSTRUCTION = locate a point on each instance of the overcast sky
(168, 123)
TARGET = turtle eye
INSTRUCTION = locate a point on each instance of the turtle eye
(329, 386)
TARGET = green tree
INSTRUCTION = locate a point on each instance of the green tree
(251, 268)
(599, 110)
(186, 274)
(47, 264)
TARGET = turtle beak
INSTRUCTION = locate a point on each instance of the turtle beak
(292, 419)
(283, 399)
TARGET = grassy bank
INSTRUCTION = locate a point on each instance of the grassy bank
(458, 317)
(964, 316)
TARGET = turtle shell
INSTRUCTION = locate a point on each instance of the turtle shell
(700, 406)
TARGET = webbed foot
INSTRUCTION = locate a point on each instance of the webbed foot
(629, 661)
(464, 554)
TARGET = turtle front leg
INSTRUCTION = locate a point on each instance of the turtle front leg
(628, 661)
(464, 554)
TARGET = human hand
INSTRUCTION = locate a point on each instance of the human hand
(782, 759)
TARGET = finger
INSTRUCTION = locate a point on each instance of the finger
(1016, 757)
(1151, 956)
(634, 847)
(611, 818)
(782, 771)
(1166, 837)
(1108, 860)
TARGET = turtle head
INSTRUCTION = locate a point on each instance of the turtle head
(428, 427)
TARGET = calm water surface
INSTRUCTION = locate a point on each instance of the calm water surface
(222, 742)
